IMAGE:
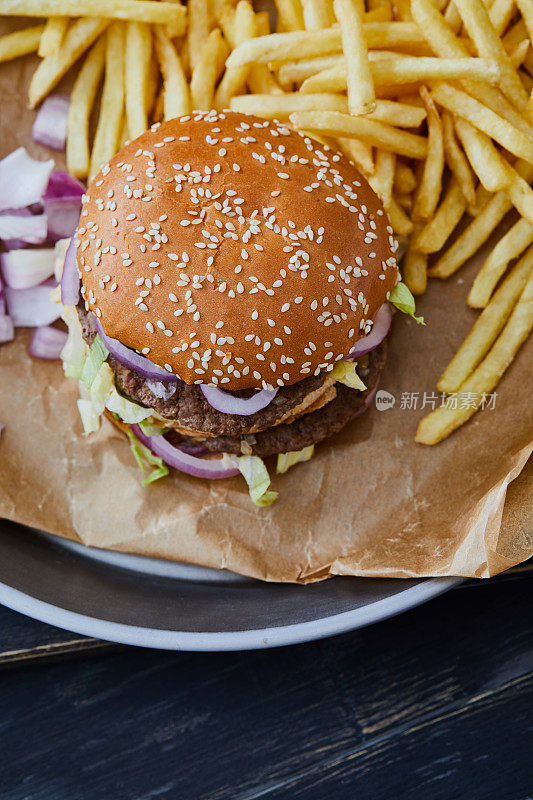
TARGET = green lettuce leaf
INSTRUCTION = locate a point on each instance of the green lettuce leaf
(146, 459)
(345, 372)
(402, 299)
(288, 460)
(89, 417)
(97, 355)
(128, 412)
(149, 429)
(255, 473)
(75, 351)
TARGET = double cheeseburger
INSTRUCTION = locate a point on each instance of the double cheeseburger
(233, 300)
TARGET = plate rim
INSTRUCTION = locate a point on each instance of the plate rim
(222, 641)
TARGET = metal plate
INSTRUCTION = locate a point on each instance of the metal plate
(153, 603)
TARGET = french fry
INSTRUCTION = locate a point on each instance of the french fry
(415, 267)
(20, 43)
(317, 14)
(308, 44)
(152, 83)
(456, 160)
(432, 237)
(198, 29)
(400, 222)
(377, 134)
(444, 420)
(290, 14)
(452, 17)
(404, 178)
(406, 69)
(297, 71)
(487, 327)
(484, 119)
(207, 71)
(81, 103)
(510, 246)
(383, 176)
(358, 152)
(488, 44)
(109, 126)
(439, 33)
(53, 34)
(283, 105)
(429, 189)
(361, 95)
(176, 28)
(521, 194)
(137, 69)
(491, 97)
(136, 10)
(485, 159)
(526, 9)
(79, 38)
(501, 12)
(176, 100)
(401, 115)
(260, 79)
(234, 79)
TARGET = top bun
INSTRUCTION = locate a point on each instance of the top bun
(231, 250)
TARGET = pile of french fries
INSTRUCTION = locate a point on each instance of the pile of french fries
(431, 99)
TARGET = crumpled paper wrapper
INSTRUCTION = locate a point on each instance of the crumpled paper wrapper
(371, 502)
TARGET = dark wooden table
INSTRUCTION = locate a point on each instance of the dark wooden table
(436, 703)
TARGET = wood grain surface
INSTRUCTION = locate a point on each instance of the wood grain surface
(433, 704)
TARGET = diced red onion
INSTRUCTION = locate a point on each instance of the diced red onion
(228, 404)
(32, 307)
(7, 330)
(2, 297)
(23, 180)
(20, 227)
(174, 457)
(22, 269)
(160, 390)
(381, 327)
(138, 363)
(50, 126)
(47, 342)
(62, 204)
(70, 279)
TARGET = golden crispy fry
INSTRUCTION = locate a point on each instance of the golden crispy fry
(521, 194)
(491, 97)
(358, 152)
(308, 44)
(176, 100)
(152, 83)
(80, 36)
(109, 127)
(361, 95)
(177, 27)
(401, 115)
(81, 103)
(198, 28)
(443, 421)
(489, 45)
(501, 13)
(434, 234)
(53, 34)
(137, 70)
(439, 34)
(290, 14)
(486, 161)
(526, 9)
(317, 14)
(297, 71)
(484, 119)
(429, 189)
(400, 222)
(452, 17)
(234, 79)
(207, 71)
(381, 180)
(139, 10)
(377, 134)
(283, 105)
(260, 79)
(457, 161)
(415, 267)
(510, 246)
(20, 43)
(404, 178)
(406, 69)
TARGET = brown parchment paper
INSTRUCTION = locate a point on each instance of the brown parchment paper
(371, 502)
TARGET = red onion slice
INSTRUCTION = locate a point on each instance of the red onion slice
(62, 204)
(47, 342)
(70, 279)
(20, 227)
(23, 180)
(174, 457)
(7, 329)
(22, 269)
(50, 126)
(228, 404)
(32, 307)
(138, 363)
(381, 327)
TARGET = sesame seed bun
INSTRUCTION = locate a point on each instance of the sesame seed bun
(231, 250)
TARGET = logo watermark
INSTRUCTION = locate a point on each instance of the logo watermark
(419, 401)
(384, 400)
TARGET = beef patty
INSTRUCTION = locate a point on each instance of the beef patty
(307, 429)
